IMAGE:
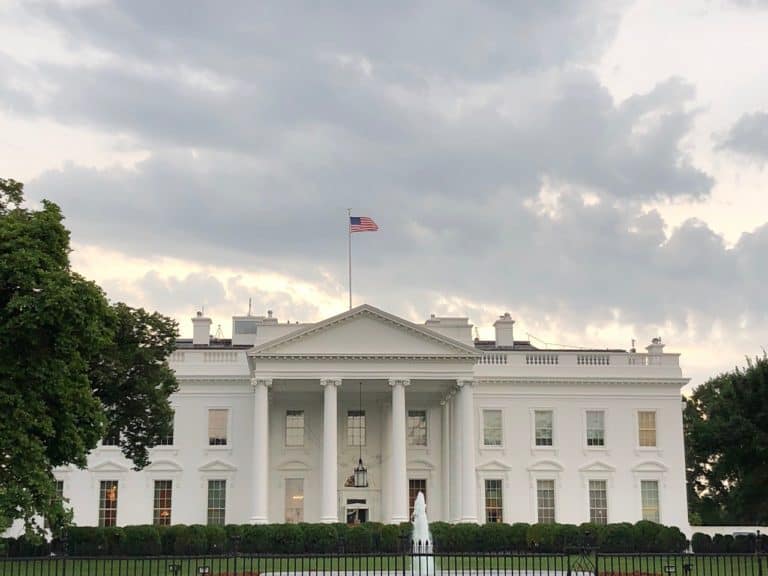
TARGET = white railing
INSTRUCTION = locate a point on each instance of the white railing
(176, 357)
(219, 356)
(493, 358)
(539, 358)
(593, 359)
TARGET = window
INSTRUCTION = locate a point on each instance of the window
(111, 439)
(356, 428)
(543, 420)
(598, 502)
(217, 426)
(294, 428)
(217, 501)
(58, 486)
(492, 431)
(415, 485)
(161, 514)
(649, 494)
(108, 503)
(545, 498)
(595, 428)
(294, 500)
(494, 503)
(167, 440)
(647, 428)
(417, 427)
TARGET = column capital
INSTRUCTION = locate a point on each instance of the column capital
(468, 382)
(257, 381)
(330, 382)
(399, 382)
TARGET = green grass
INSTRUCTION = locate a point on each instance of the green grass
(608, 565)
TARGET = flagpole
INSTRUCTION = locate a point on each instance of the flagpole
(349, 252)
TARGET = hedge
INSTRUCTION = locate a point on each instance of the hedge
(727, 544)
(370, 537)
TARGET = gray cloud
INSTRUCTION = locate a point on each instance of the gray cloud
(749, 136)
(265, 123)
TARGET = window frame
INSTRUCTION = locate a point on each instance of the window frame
(589, 500)
(303, 498)
(500, 506)
(228, 444)
(587, 445)
(103, 521)
(303, 427)
(638, 429)
(364, 428)
(643, 507)
(413, 494)
(534, 444)
(157, 519)
(164, 443)
(408, 435)
(483, 413)
(209, 508)
(554, 499)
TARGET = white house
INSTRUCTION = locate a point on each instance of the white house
(271, 424)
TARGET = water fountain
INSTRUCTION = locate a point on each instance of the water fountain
(424, 563)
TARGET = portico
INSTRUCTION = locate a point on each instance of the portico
(402, 372)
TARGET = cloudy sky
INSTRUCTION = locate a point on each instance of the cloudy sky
(597, 169)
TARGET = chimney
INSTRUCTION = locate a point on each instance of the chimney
(655, 348)
(201, 330)
(504, 331)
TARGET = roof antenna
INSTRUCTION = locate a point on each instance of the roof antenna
(219, 332)
(633, 346)
(249, 306)
(477, 334)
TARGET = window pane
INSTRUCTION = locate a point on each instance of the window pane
(161, 515)
(494, 503)
(217, 501)
(294, 500)
(595, 428)
(544, 431)
(417, 427)
(294, 428)
(108, 503)
(647, 428)
(356, 428)
(59, 487)
(649, 493)
(415, 485)
(167, 440)
(111, 439)
(217, 427)
(492, 428)
(545, 497)
(598, 502)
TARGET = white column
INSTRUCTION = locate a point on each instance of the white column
(329, 508)
(260, 450)
(399, 503)
(468, 447)
(455, 460)
(445, 458)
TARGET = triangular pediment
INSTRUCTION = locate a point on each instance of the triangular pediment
(597, 466)
(365, 331)
(546, 466)
(650, 466)
(494, 466)
(217, 466)
(109, 466)
(164, 466)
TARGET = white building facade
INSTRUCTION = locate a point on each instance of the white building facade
(270, 425)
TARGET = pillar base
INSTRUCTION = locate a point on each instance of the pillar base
(329, 519)
(468, 519)
(259, 520)
(399, 519)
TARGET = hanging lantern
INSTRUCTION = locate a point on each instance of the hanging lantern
(361, 475)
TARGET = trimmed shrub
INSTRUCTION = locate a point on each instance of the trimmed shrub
(618, 538)
(389, 538)
(319, 538)
(442, 536)
(342, 535)
(286, 538)
(646, 536)
(671, 539)
(743, 544)
(87, 541)
(701, 543)
(217, 539)
(255, 539)
(591, 535)
(722, 543)
(234, 537)
(360, 538)
(141, 541)
(168, 536)
(567, 536)
(466, 537)
(192, 542)
(495, 537)
(542, 538)
(518, 536)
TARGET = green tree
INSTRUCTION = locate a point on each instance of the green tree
(72, 366)
(726, 434)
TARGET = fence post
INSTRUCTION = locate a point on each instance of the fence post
(597, 563)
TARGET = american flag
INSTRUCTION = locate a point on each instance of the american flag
(362, 224)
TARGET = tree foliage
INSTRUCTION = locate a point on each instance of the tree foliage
(72, 366)
(726, 433)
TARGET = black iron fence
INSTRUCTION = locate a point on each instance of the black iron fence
(579, 563)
